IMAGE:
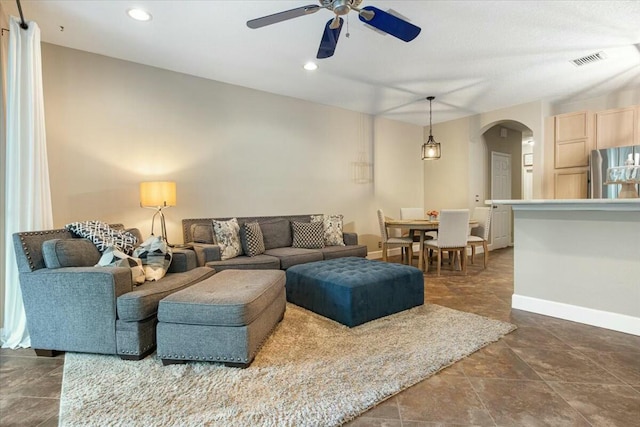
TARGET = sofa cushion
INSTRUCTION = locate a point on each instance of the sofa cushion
(251, 238)
(332, 229)
(308, 235)
(293, 256)
(230, 298)
(276, 233)
(183, 259)
(58, 253)
(202, 233)
(143, 301)
(227, 235)
(242, 262)
(332, 252)
(104, 236)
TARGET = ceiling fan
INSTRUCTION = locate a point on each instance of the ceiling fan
(370, 15)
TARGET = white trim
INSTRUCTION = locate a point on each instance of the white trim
(589, 316)
(378, 254)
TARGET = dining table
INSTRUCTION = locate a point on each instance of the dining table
(421, 226)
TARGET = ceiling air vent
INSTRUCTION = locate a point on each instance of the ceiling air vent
(589, 59)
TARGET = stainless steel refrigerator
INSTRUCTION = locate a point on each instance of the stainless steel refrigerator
(601, 161)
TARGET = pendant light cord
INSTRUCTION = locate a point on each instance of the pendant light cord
(430, 98)
(430, 127)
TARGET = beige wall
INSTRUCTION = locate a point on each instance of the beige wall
(620, 99)
(446, 184)
(232, 151)
(461, 178)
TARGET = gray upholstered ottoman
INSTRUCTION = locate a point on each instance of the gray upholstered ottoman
(355, 290)
(224, 318)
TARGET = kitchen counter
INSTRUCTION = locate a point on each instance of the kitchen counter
(578, 260)
(571, 204)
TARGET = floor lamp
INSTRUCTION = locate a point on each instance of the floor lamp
(158, 195)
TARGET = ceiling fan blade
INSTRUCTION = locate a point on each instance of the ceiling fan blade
(390, 24)
(329, 40)
(283, 16)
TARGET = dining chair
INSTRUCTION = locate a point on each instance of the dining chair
(411, 213)
(391, 242)
(480, 235)
(453, 231)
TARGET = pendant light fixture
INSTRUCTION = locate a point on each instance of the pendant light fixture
(431, 148)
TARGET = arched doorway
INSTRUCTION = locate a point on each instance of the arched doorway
(509, 152)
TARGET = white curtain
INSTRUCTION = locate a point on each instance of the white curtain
(27, 192)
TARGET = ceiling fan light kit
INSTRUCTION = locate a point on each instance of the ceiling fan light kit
(431, 148)
(377, 18)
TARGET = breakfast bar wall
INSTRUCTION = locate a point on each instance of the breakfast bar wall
(578, 260)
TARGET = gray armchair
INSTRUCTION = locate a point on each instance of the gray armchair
(71, 305)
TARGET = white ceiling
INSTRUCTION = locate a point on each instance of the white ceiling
(474, 56)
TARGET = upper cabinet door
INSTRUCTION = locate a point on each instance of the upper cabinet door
(572, 140)
(617, 128)
(572, 126)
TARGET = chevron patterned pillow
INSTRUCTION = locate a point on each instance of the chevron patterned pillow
(104, 236)
(308, 235)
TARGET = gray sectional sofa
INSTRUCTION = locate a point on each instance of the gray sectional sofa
(278, 238)
(74, 306)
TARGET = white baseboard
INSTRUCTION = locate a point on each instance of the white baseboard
(589, 316)
(378, 254)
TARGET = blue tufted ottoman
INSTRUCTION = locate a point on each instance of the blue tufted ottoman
(354, 290)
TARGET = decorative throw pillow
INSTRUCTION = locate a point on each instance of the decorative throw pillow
(308, 235)
(202, 233)
(252, 239)
(59, 253)
(332, 225)
(317, 218)
(276, 233)
(104, 236)
(114, 257)
(227, 234)
(155, 255)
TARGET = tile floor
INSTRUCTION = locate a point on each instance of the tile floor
(549, 372)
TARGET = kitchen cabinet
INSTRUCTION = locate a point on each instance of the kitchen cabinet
(571, 184)
(619, 127)
(572, 140)
(572, 126)
(569, 139)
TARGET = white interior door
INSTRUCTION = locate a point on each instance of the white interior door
(500, 190)
(527, 184)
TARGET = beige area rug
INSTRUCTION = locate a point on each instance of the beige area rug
(310, 372)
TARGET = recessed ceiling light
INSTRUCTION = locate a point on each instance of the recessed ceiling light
(310, 66)
(139, 14)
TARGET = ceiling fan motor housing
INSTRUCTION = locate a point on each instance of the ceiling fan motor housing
(340, 7)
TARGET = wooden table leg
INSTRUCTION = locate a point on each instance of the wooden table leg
(421, 256)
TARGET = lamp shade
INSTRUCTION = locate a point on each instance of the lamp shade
(157, 194)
